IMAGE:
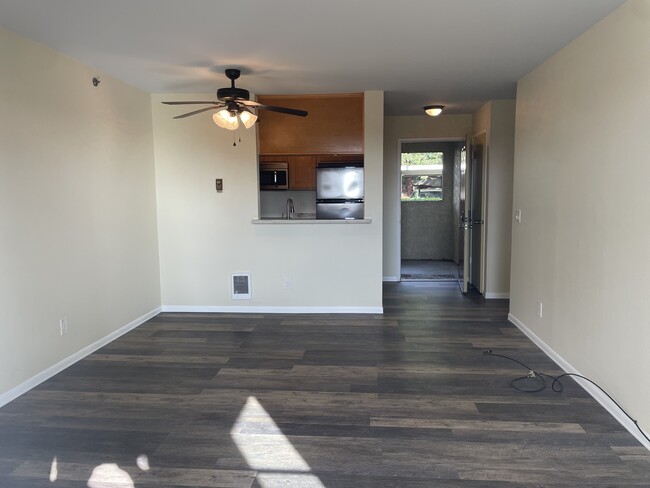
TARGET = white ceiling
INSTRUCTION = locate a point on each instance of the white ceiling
(459, 53)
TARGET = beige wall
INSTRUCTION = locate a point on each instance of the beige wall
(402, 128)
(581, 181)
(77, 208)
(205, 236)
(497, 120)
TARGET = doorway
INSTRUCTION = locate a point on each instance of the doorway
(428, 205)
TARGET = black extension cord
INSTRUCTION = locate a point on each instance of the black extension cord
(556, 385)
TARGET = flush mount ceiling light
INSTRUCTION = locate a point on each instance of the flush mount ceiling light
(433, 110)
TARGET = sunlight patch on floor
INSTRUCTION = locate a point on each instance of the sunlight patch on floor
(267, 450)
(109, 475)
(54, 470)
(143, 462)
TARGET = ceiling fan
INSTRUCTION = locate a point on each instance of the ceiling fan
(235, 105)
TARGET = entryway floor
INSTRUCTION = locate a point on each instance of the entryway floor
(428, 270)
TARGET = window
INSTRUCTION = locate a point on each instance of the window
(422, 176)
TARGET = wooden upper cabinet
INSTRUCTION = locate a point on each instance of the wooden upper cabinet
(334, 124)
(339, 158)
(302, 172)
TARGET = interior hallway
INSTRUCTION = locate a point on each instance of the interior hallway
(406, 399)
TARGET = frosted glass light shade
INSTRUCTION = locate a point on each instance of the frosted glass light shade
(248, 119)
(433, 110)
(223, 118)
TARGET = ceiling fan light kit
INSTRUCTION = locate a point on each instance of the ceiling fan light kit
(223, 118)
(230, 119)
(433, 110)
(234, 105)
(248, 118)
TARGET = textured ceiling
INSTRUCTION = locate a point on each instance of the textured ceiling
(459, 53)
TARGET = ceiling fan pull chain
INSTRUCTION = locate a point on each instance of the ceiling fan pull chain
(236, 135)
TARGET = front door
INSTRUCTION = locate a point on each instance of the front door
(465, 219)
(476, 277)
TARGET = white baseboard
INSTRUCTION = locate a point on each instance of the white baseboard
(265, 309)
(391, 278)
(598, 395)
(493, 295)
(46, 374)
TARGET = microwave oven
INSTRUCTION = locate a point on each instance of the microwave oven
(274, 176)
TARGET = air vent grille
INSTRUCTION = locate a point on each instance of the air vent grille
(241, 286)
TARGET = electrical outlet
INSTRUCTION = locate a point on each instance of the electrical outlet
(540, 311)
(63, 325)
(287, 283)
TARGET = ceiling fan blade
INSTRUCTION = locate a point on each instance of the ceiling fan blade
(282, 110)
(198, 111)
(250, 103)
(190, 103)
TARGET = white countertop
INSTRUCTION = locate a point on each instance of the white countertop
(276, 221)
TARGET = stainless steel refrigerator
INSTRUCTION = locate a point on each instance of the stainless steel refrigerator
(339, 191)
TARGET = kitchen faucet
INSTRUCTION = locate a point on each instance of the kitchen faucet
(290, 208)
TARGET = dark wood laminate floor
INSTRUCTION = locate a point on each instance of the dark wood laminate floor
(403, 400)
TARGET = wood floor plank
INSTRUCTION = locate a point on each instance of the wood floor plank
(478, 425)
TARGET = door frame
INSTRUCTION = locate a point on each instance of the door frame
(400, 141)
